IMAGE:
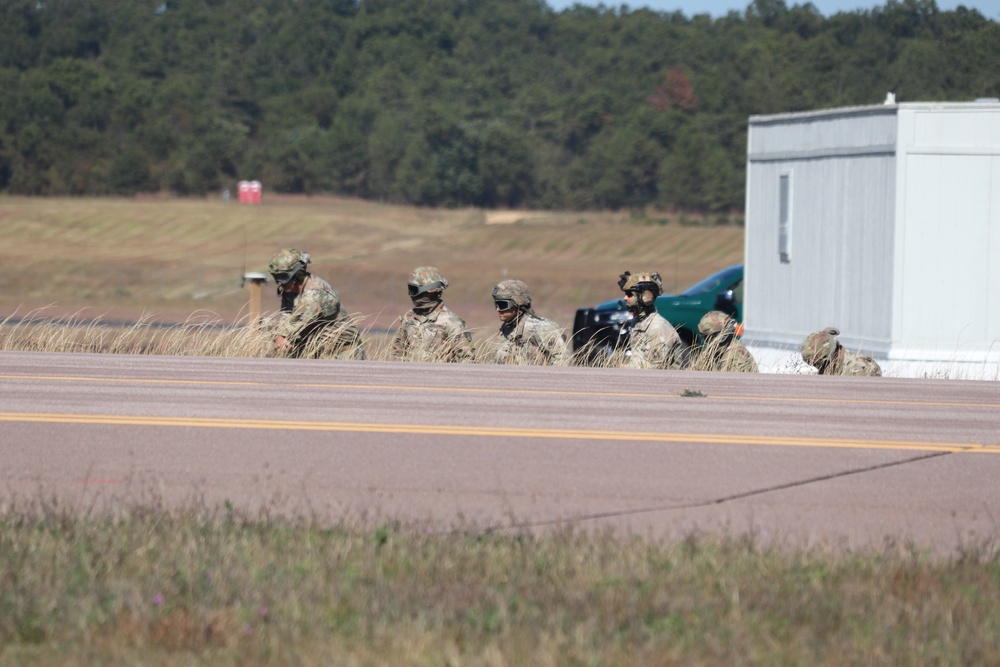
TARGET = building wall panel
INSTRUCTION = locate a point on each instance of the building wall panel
(966, 129)
(822, 132)
(840, 269)
(991, 299)
(947, 248)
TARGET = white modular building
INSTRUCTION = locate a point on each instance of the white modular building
(884, 222)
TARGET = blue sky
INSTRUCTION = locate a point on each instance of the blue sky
(988, 8)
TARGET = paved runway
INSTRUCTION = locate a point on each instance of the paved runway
(802, 460)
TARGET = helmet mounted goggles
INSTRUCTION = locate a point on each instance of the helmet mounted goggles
(504, 305)
(416, 290)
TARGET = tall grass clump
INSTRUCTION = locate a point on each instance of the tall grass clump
(202, 334)
(216, 586)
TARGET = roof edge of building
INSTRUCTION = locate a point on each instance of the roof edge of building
(869, 110)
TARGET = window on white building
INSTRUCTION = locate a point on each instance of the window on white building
(785, 218)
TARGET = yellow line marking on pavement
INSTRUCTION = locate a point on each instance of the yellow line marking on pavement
(72, 378)
(499, 432)
(481, 390)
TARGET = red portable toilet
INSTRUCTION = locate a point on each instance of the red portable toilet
(244, 188)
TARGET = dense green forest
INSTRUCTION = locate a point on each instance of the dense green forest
(491, 103)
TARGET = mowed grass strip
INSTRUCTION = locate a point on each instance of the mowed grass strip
(167, 258)
(218, 587)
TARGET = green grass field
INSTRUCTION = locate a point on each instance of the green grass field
(214, 587)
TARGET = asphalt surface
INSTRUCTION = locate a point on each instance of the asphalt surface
(803, 461)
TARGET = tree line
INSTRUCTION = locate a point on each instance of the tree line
(489, 103)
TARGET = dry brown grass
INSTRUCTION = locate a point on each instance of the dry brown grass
(164, 259)
(203, 334)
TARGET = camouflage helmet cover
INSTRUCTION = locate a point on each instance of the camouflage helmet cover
(426, 279)
(629, 281)
(818, 348)
(716, 322)
(515, 290)
(289, 261)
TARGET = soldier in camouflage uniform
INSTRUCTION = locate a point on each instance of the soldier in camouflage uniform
(822, 350)
(311, 322)
(652, 340)
(525, 338)
(721, 350)
(430, 332)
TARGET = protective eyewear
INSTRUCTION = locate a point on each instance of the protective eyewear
(504, 304)
(282, 277)
(417, 290)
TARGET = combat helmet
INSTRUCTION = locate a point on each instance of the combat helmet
(716, 322)
(646, 284)
(287, 265)
(644, 280)
(514, 291)
(818, 348)
(426, 279)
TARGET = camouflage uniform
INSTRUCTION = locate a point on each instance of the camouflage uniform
(721, 350)
(430, 332)
(312, 321)
(652, 340)
(528, 338)
(532, 340)
(822, 350)
(851, 363)
(438, 335)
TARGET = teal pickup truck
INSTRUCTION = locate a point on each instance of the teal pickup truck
(720, 291)
(599, 330)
